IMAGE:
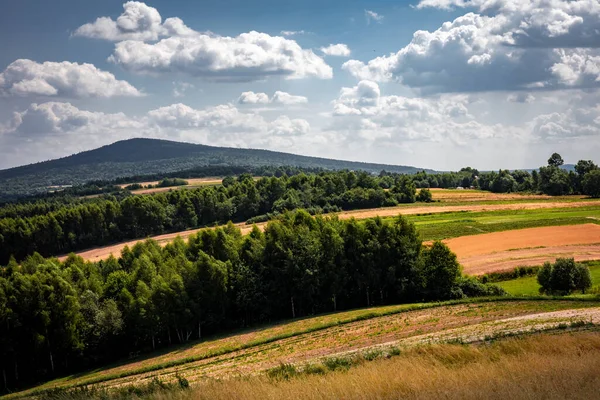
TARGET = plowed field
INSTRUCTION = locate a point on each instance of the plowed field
(480, 254)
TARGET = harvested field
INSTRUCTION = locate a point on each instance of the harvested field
(454, 195)
(191, 182)
(104, 252)
(490, 252)
(315, 338)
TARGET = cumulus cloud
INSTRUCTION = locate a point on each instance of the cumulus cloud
(510, 44)
(364, 113)
(340, 50)
(146, 44)
(279, 97)
(137, 22)
(253, 98)
(372, 16)
(538, 23)
(287, 99)
(284, 126)
(64, 79)
(249, 56)
(576, 121)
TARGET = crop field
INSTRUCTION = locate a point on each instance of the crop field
(498, 251)
(344, 334)
(192, 183)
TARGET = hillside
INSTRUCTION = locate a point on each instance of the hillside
(153, 156)
(338, 341)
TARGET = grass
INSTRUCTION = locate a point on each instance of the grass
(528, 286)
(455, 224)
(256, 350)
(547, 365)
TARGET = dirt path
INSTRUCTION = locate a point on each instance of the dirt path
(102, 253)
(498, 251)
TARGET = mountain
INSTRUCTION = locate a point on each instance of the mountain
(153, 156)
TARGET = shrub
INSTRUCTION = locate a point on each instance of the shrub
(471, 287)
(337, 363)
(425, 196)
(134, 186)
(282, 372)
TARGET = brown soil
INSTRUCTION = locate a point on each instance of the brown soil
(489, 252)
(102, 253)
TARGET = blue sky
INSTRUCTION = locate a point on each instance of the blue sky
(432, 83)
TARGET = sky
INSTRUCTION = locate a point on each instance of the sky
(439, 84)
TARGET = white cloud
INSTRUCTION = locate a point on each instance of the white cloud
(253, 98)
(137, 22)
(279, 97)
(64, 79)
(512, 44)
(364, 114)
(284, 126)
(538, 23)
(148, 45)
(339, 50)
(574, 122)
(293, 33)
(249, 56)
(372, 16)
(577, 67)
(287, 99)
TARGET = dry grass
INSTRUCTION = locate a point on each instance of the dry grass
(544, 366)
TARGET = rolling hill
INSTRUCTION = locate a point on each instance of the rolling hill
(152, 156)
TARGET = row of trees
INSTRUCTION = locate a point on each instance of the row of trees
(550, 179)
(61, 317)
(60, 226)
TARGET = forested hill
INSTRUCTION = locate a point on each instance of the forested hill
(152, 156)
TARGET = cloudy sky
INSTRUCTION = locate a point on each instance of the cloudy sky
(431, 83)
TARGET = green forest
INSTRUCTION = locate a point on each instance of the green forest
(61, 225)
(63, 317)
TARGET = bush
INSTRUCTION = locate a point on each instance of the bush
(471, 287)
(424, 196)
(564, 277)
(282, 372)
(337, 363)
(134, 186)
(167, 182)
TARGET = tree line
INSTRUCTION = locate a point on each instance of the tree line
(550, 179)
(61, 317)
(60, 226)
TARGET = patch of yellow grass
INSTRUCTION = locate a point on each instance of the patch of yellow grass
(544, 366)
